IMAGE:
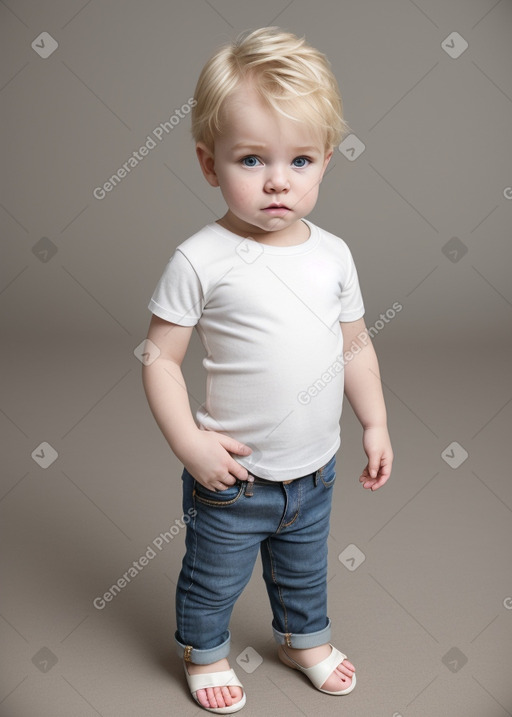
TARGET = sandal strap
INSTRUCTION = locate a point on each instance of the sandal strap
(319, 673)
(212, 679)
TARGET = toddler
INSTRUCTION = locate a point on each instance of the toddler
(274, 299)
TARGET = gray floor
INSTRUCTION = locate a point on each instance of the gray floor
(426, 617)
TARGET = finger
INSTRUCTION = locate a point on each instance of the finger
(238, 471)
(365, 476)
(366, 480)
(233, 446)
(380, 482)
(369, 485)
(383, 476)
(373, 465)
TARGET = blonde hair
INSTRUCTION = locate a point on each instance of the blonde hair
(290, 75)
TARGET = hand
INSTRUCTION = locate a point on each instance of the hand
(377, 446)
(208, 459)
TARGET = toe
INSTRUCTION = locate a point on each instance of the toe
(235, 694)
(345, 677)
(218, 697)
(341, 678)
(346, 668)
(202, 698)
(212, 697)
(226, 697)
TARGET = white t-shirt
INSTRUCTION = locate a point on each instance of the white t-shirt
(268, 318)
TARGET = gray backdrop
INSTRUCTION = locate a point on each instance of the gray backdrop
(420, 587)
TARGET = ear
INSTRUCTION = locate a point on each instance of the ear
(207, 163)
(327, 158)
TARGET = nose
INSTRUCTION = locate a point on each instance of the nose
(277, 180)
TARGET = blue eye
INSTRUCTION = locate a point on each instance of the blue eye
(250, 161)
(301, 162)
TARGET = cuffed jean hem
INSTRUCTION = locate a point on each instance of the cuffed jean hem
(203, 657)
(303, 641)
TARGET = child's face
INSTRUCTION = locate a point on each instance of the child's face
(268, 167)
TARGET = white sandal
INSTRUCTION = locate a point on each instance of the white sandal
(215, 679)
(319, 673)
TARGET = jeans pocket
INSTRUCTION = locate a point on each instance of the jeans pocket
(220, 498)
(327, 473)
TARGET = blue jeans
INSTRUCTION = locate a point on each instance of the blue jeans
(289, 524)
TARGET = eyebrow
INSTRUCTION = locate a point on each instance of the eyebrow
(248, 145)
(259, 145)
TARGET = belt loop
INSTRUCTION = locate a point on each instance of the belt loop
(249, 486)
(315, 477)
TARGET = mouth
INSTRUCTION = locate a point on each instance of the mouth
(276, 209)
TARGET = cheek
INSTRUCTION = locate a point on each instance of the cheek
(239, 189)
(310, 192)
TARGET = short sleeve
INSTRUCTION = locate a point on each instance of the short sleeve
(352, 306)
(178, 296)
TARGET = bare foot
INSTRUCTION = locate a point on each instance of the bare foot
(340, 679)
(221, 696)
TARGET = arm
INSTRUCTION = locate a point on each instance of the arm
(364, 392)
(205, 454)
